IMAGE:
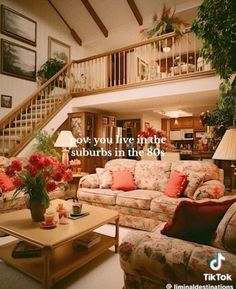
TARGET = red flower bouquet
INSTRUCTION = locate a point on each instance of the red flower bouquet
(39, 176)
(151, 133)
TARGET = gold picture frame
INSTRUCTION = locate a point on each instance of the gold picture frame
(58, 49)
(18, 26)
(17, 60)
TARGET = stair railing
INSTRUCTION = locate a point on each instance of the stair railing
(17, 127)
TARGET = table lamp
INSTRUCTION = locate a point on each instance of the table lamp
(65, 140)
(226, 149)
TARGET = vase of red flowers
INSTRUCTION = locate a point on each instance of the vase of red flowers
(40, 175)
(150, 136)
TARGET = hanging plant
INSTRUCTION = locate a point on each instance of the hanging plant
(166, 23)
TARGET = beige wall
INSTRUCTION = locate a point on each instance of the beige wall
(48, 24)
(153, 119)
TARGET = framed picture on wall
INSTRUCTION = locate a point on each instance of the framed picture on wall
(18, 26)
(17, 60)
(58, 49)
(142, 69)
(6, 101)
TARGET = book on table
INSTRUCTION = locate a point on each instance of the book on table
(88, 240)
(26, 250)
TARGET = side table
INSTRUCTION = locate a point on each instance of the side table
(72, 194)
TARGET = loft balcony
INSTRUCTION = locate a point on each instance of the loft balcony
(161, 59)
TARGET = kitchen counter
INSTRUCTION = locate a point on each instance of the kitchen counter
(186, 154)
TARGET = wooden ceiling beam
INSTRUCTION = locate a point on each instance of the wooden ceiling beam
(72, 31)
(95, 17)
(135, 11)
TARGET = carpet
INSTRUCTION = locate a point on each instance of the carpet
(104, 272)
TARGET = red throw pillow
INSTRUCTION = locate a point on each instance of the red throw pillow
(6, 183)
(176, 185)
(197, 221)
(122, 180)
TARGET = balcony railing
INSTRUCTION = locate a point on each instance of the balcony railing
(159, 59)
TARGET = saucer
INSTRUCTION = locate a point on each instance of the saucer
(48, 226)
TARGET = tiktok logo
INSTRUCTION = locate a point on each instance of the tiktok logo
(216, 263)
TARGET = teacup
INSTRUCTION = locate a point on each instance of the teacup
(76, 208)
(49, 217)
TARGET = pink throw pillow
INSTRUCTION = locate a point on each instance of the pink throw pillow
(6, 183)
(123, 180)
(176, 184)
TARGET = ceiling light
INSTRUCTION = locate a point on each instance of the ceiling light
(174, 113)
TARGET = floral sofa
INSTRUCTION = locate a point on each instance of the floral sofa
(6, 202)
(146, 206)
(151, 260)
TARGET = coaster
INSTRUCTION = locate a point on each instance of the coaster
(78, 214)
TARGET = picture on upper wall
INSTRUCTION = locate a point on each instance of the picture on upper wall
(142, 69)
(17, 60)
(58, 49)
(18, 26)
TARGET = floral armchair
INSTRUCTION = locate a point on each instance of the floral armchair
(153, 260)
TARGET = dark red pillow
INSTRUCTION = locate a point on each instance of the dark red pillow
(6, 183)
(197, 221)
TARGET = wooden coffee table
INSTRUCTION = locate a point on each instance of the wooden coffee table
(59, 258)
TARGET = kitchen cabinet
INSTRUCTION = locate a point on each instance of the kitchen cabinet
(106, 128)
(181, 123)
(103, 121)
(175, 123)
(186, 122)
(81, 125)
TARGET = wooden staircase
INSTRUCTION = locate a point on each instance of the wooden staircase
(17, 128)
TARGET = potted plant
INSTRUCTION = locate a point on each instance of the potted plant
(39, 176)
(48, 69)
(45, 143)
(215, 26)
(166, 23)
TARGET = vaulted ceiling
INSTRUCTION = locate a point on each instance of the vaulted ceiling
(102, 25)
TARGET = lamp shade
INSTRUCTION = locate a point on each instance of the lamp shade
(226, 150)
(64, 140)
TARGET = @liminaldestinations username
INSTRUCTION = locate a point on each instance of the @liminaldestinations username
(198, 286)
